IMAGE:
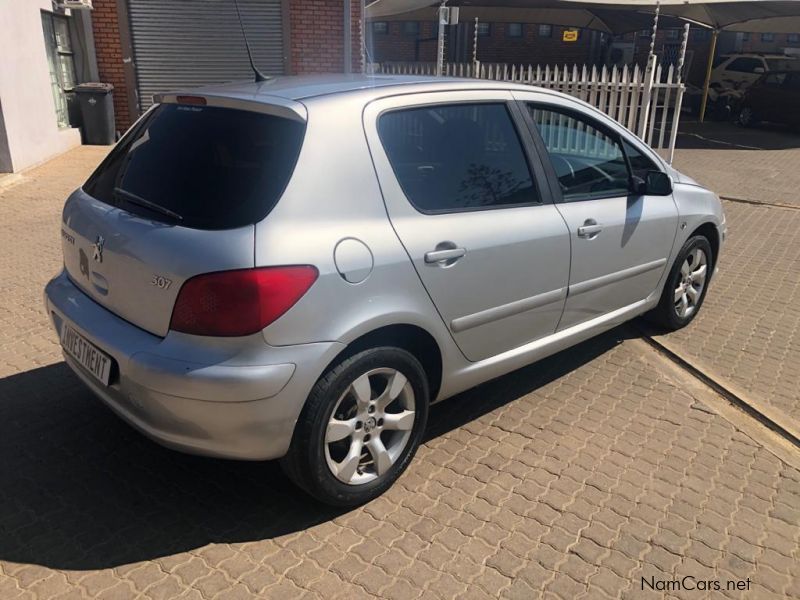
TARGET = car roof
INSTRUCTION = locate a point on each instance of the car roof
(296, 88)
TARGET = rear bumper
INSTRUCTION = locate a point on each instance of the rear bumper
(232, 398)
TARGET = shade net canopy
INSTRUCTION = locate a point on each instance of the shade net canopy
(757, 16)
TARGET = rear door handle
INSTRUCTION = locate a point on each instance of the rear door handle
(589, 229)
(436, 256)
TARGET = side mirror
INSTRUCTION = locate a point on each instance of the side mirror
(658, 183)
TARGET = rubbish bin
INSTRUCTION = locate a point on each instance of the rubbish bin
(97, 110)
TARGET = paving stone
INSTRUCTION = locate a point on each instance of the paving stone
(583, 471)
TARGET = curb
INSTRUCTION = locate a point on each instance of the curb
(9, 179)
(759, 202)
(776, 420)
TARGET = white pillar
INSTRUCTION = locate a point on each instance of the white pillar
(443, 20)
(676, 119)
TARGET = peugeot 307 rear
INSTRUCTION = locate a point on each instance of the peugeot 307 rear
(298, 268)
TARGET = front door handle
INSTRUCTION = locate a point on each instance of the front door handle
(589, 229)
(450, 254)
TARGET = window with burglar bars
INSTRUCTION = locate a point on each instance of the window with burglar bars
(61, 62)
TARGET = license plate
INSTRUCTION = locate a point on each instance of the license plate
(90, 357)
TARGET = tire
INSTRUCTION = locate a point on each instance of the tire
(746, 117)
(341, 394)
(668, 313)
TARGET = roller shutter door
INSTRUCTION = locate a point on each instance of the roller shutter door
(188, 43)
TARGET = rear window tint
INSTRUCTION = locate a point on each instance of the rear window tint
(218, 168)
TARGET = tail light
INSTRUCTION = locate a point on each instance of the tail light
(234, 303)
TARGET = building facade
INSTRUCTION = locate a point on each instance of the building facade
(401, 41)
(149, 46)
(144, 47)
(392, 41)
(40, 58)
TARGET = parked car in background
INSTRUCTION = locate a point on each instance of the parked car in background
(722, 103)
(775, 97)
(740, 71)
(298, 268)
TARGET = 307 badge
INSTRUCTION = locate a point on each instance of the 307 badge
(161, 282)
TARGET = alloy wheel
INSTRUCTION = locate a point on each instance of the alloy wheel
(694, 271)
(370, 426)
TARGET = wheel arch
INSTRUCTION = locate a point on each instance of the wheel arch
(412, 338)
(709, 231)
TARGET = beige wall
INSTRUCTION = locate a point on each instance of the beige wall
(29, 132)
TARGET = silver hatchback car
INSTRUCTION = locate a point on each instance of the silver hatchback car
(298, 268)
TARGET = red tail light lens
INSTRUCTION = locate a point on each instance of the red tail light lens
(234, 303)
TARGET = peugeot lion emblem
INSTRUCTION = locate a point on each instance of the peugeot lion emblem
(98, 248)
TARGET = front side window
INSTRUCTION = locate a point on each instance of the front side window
(588, 162)
(640, 163)
(457, 157)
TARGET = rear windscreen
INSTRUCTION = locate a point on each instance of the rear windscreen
(200, 166)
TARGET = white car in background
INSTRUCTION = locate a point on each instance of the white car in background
(740, 71)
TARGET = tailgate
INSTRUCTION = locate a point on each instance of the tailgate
(134, 266)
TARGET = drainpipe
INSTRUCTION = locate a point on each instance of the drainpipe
(712, 48)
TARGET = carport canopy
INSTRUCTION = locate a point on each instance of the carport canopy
(623, 16)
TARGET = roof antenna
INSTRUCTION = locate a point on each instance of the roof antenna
(259, 76)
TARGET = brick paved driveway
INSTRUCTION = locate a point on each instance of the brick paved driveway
(721, 156)
(574, 477)
(748, 335)
(748, 332)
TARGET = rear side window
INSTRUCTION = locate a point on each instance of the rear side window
(457, 157)
(200, 166)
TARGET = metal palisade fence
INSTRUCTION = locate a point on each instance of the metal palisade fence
(646, 100)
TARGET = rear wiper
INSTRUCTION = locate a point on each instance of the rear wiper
(134, 199)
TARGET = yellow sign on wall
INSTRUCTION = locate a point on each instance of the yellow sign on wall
(569, 35)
